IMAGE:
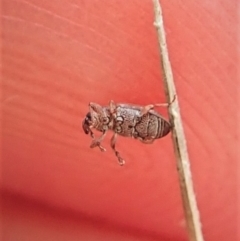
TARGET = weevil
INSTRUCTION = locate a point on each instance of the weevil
(139, 122)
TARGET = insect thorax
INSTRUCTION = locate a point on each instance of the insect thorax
(129, 122)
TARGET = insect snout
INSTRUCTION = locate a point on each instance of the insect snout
(87, 122)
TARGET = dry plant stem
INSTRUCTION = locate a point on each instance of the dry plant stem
(178, 137)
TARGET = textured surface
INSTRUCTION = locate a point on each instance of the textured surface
(59, 55)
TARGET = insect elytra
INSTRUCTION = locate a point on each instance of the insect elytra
(139, 122)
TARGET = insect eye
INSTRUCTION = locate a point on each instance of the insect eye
(88, 116)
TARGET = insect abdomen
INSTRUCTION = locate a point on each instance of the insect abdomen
(151, 126)
(164, 128)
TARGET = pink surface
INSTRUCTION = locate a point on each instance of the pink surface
(60, 55)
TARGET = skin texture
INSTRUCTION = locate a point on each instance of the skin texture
(57, 56)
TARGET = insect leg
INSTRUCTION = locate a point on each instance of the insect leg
(147, 108)
(113, 144)
(97, 142)
(147, 141)
(112, 107)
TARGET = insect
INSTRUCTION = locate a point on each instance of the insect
(139, 122)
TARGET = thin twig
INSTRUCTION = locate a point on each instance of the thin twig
(178, 137)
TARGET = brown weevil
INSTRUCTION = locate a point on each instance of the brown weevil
(139, 122)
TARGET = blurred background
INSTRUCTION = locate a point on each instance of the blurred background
(57, 56)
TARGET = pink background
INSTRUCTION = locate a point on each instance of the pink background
(57, 56)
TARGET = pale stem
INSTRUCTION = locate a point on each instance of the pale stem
(178, 137)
